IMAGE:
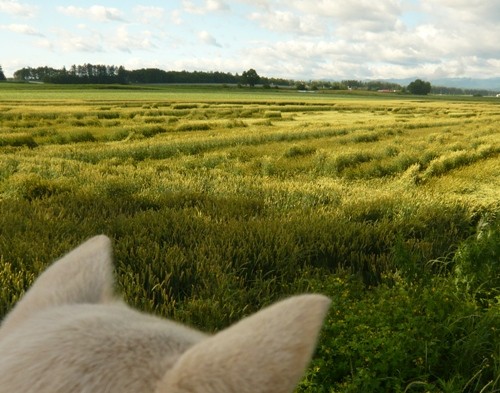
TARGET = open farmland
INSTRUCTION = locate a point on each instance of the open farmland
(223, 200)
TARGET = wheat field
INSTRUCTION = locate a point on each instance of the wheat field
(222, 200)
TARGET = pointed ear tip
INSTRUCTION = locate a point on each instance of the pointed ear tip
(101, 241)
(100, 238)
(317, 299)
(313, 305)
(320, 301)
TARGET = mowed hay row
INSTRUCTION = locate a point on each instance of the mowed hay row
(339, 140)
(119, 151)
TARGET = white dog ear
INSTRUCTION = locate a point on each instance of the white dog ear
(266, 352)
(85, 275)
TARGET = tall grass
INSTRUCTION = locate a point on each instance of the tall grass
(218, 206)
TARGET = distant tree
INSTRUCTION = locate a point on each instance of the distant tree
(121, 75)
(2, 75)
(353, 84)
(382, 85)
(300, 86)
(419, 87)
(338, 86)
(250, 77)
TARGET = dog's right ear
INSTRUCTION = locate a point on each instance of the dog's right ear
(85, 275)
(266, 352)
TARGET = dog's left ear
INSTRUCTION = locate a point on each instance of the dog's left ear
(85, 275)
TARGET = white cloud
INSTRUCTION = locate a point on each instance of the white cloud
(175, 17)
(69, 41)
(45, 43)
(149, 14)
(287, 21)
(127, 42)
(206, 38)
(13, 7)
(90, 40)
(354, 10)
(330, 19)
(205, 6)
(80, 44)
(462, 28)
(462, 11)
(303, 59)
(372, 37)
(97, 13)
(264, 4)
(21, 29)
(216, 5)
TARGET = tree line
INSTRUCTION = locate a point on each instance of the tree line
(460, 91)
(104, 74)
(86, 73)
(350, 84)
(95, 74)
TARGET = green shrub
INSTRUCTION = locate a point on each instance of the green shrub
(404, 337)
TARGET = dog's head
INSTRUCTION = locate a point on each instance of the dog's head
(69, 334)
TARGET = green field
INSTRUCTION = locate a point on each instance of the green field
(222, 200)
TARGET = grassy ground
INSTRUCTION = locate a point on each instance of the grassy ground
(222, 200)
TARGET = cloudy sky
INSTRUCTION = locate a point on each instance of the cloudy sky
(299, 39)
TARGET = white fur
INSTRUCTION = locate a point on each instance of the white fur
(67, 334)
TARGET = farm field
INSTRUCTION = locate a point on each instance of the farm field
(223, 200)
